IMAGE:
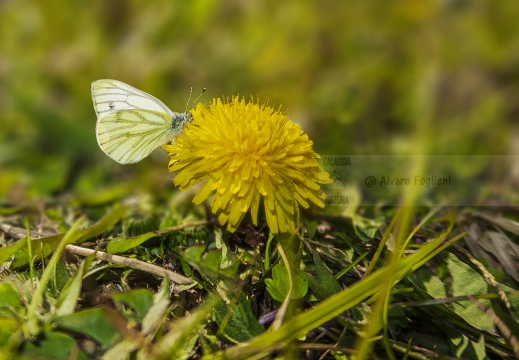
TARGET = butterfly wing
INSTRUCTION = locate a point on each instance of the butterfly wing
(129, 135)
(111, 95)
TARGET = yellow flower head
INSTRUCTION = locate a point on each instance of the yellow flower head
(246, 152)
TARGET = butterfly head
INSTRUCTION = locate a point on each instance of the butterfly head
(180, 120)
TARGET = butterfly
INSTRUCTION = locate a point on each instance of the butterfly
(131, 123)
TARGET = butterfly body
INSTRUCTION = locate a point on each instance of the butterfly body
(132, 123)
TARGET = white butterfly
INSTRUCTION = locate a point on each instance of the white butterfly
(131, 123)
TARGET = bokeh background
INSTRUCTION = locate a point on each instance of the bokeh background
(361, 77)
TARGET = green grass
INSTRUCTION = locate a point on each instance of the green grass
(432, 299)
(101, 260)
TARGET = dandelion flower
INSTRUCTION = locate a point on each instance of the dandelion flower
(245, 153)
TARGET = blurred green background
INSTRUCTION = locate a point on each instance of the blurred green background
(361, 77)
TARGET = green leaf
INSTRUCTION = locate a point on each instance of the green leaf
(325, 284)
(120, 244)
(10, 250)
(428, 282)
(463, 347)
(8, 327)
(279, 286)
(464, 281)
(311, 227)
(194, 254)
(139, 300)
(53, 346)
(8, 210)
(8, 296)
(92, 322)
(239, 322)
(467, 281)
(61, 276)
(227, 258)
(180, 341)
(69, 296)
(210, 263)
(154, 318)
(367, 229)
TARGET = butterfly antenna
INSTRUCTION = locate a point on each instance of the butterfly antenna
(190, 93)
(202, 93)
